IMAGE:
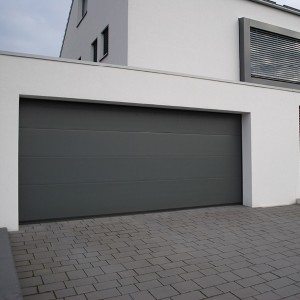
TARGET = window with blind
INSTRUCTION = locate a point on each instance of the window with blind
(269, 54)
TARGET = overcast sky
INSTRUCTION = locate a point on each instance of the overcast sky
(33, 26)
(37, 26)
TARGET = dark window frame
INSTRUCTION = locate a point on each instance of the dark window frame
(245, 26)
(83, 10)
(83, 7)
(105, 42)
(95, 50)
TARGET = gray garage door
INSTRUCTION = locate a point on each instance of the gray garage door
(81, 159)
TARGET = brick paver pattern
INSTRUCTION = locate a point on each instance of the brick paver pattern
(232, 252)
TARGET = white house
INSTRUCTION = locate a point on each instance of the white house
(203, 109)
(192, 37)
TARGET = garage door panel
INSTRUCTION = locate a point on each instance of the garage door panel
(57, 170)
(79, 159)
(36, 142)
(111, 198)
(68, 115)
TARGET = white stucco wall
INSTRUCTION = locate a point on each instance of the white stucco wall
(270, 118)
(194, 36)
(100, 13)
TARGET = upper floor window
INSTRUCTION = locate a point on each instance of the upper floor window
(269, 54)
(83, 7)
(95, 50)
(105, 41)
(82, 10)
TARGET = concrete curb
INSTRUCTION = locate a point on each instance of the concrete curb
(9, 283)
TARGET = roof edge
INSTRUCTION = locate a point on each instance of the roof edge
(63, 41)
(273, 4)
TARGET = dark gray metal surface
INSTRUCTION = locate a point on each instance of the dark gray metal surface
(81, 159)
(9, 282)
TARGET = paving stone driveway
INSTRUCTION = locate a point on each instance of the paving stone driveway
(216, 253)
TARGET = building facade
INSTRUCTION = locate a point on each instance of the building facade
(81, 138)
(204, 38)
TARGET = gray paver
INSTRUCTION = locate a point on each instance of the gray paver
(106, 285)
(209, 281)
(268, 296)
(191, 275)
(170, 272)
(211, 292)
(29, 291)
(127, 281)
(229, 276)
(186, 286)
(142, 296)
(147, 277)
(137, 264)
(147, 285)
(65, 293)
(163, 292)
(262, 288)
(250, 281)
(93, 271)
(288, 291)
(128, 289)
(53, 278)
(279, 283)
(44, 296)
(29, 282)
(51, 287)
(80, 282)
(227, 296)
(109, 293)
(76, 274)
(245, 272)
(229, 287)
(107, 277)
(222, 253)
(196, 295)
(113, 268)
(245, 292)
(85, 289)
(78, 297)
(123, 297)
(171, 280)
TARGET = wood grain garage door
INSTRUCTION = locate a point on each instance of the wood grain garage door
(81, 159)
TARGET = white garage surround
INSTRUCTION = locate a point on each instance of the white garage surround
(270, 117)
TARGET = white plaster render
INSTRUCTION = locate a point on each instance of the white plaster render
(187, 36)
(270, 117)
(195, 37)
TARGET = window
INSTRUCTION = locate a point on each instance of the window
(95, 50)
(83, 8)
(79, 58)
(105, 35)
(269, 54)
